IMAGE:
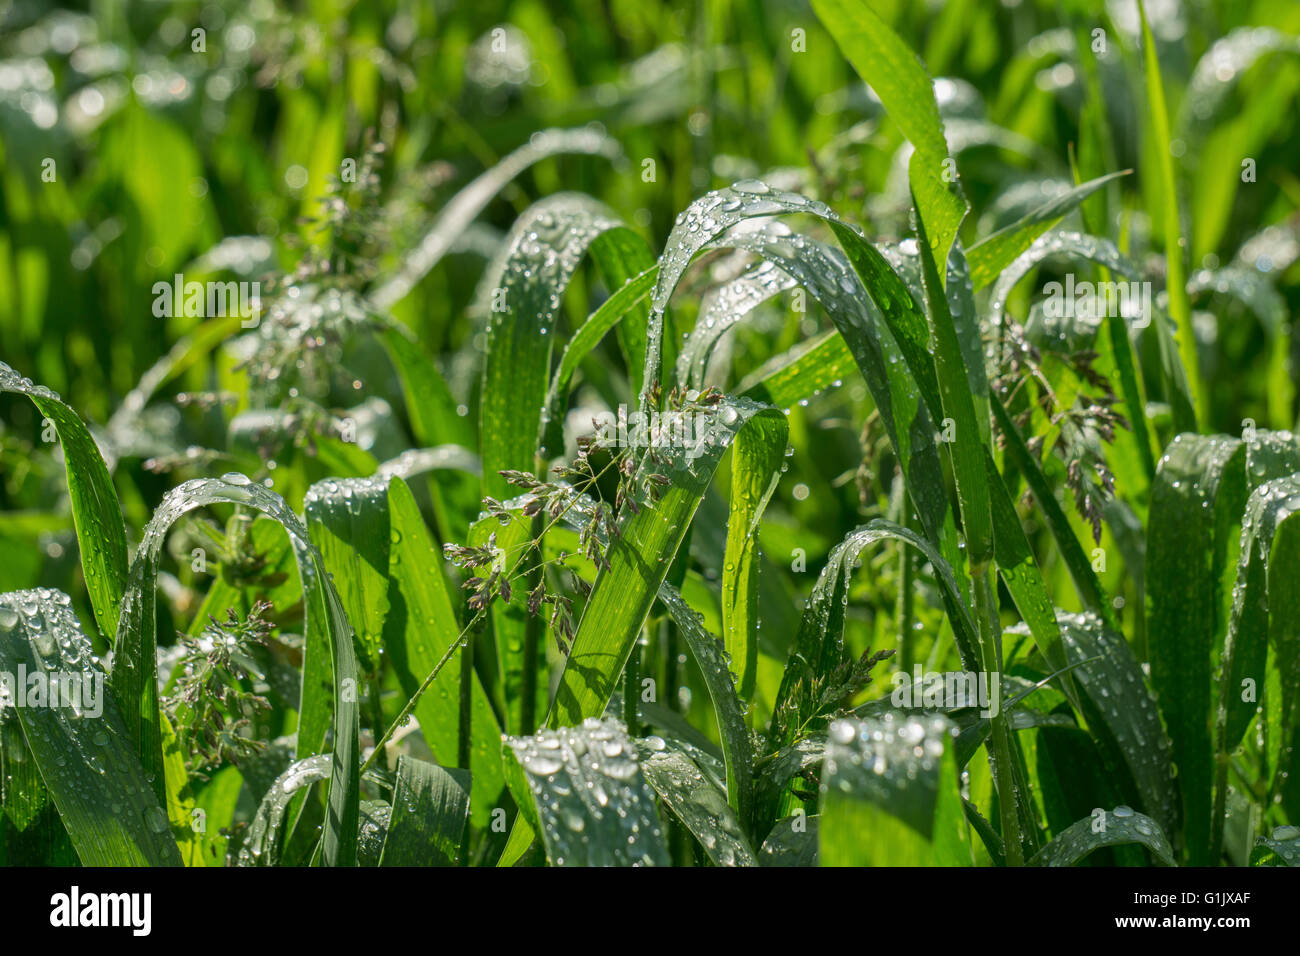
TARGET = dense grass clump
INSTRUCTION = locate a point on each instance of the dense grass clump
(857, 434)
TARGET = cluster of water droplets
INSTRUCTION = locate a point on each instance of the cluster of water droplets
(592, 803)
(892, 761)
(83, 754)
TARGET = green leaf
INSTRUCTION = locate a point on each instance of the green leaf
(101, 532)
(527, 281)
(1167, 195)
(1196, 501)
(592, 800)
(430, 816)
(79, 743)
(895, 782)
(639, 558)
(583, 342)
(348, 522)
(713, 661)
(1122, 826)
(1121, 711)
(900, 80)
(696, 801)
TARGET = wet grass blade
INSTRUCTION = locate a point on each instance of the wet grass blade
(1196, 502)
(695, 801)
(713, 662)
(609, 315)
(1122, 826)
(430, 816)
(264, 843)
(86, 759)
(421, 626)
(135, 677)
(897, 781)
(101, 531)
(900, 80)
(639, 558)
(526, 287)
(1121, 713)
(591, 799)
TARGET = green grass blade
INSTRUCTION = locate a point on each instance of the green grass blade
(1179, 306)
(711, 657)
(526, 288)
(80, 744)
(610, 314)
(1122, 826)
(696, 801)
(348, 522)
(461, 210)
(1197, 499)
(421, 627)
(135, 677)
(894, 783)
(992, 254)
(900, 80)
(264, 843)
(639, 558)
(101, 532)
(430, 817)
(592, 800)
(1121, 712)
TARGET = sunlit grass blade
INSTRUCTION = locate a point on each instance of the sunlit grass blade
(988, 257)
(421, 626)
(900, 80)
(263, 844)
(101, 532)
(135, 670)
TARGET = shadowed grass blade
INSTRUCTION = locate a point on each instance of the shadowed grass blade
(430, 816)
(76, 736)
(1196, 502)
(1121, 826)
(696, 801)
(889, 795)
(592, 801)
